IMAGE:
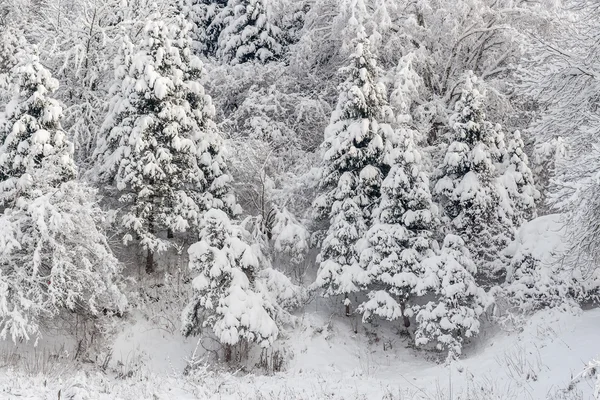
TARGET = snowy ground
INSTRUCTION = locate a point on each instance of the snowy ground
(331, 362)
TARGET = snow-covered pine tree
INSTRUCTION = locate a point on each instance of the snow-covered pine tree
(33, 143)
(206, 26)
(352, 172)
(293, 18)
(518, 181)
(12, 45)
(248, 33)
(468, 184)
(159, 146)
(226, 297)
(401, 235)
(53, 256)
(454, 315)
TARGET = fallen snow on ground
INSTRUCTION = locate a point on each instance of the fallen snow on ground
(331, 362)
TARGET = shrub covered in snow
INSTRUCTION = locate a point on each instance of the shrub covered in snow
(53, 257)
(290, 237)
(12, 45)
(206, 27)
(226, 297)
(283, 291)
(454, 315)
(542, 272)
(517, 180)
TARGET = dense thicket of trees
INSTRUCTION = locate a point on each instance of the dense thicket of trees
(380, 153)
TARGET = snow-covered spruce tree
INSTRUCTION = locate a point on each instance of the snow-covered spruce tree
(248, 33)
(352, 173)
(401, 235)
(468, 185)
(33, 143)
(454, 315)
(226, 297)
(53, 256)
(293, 19)
(518, 181)
(159, 146)
(206, 26)
(12, 45)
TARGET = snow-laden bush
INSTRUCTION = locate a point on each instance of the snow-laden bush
(290, 237)
(227, 299)
(517, 180)
(206, 26)
(454, 315)
(53, 257)
(542, 272)
(283, 292)
(12, 44)
(592, 372)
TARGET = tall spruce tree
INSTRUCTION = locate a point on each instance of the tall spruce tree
(53, 256)
(12, 46)
(352, 172)
(159, 147)
(518, 181)
(468, 184)
(206, 26)
(401, 235)
(248, 33)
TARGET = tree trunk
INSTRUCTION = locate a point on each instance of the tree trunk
(404, 316)
(347, 304)
(150, 256)
(170, 234)
(228, 353)
(150, 262)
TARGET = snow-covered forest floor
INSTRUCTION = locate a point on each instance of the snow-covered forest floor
(329, 361)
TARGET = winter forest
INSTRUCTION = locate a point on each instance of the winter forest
(299, 199)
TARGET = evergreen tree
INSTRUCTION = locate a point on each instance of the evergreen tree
(401, 235)
(34, 147)
(352, 173)
(206, 27)
(293, 19)
(227, 298)
(468, 186)
(12, 45)
(518, 181)
(454, 315)
(53, 256)
(159, 146)
(248, 33)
